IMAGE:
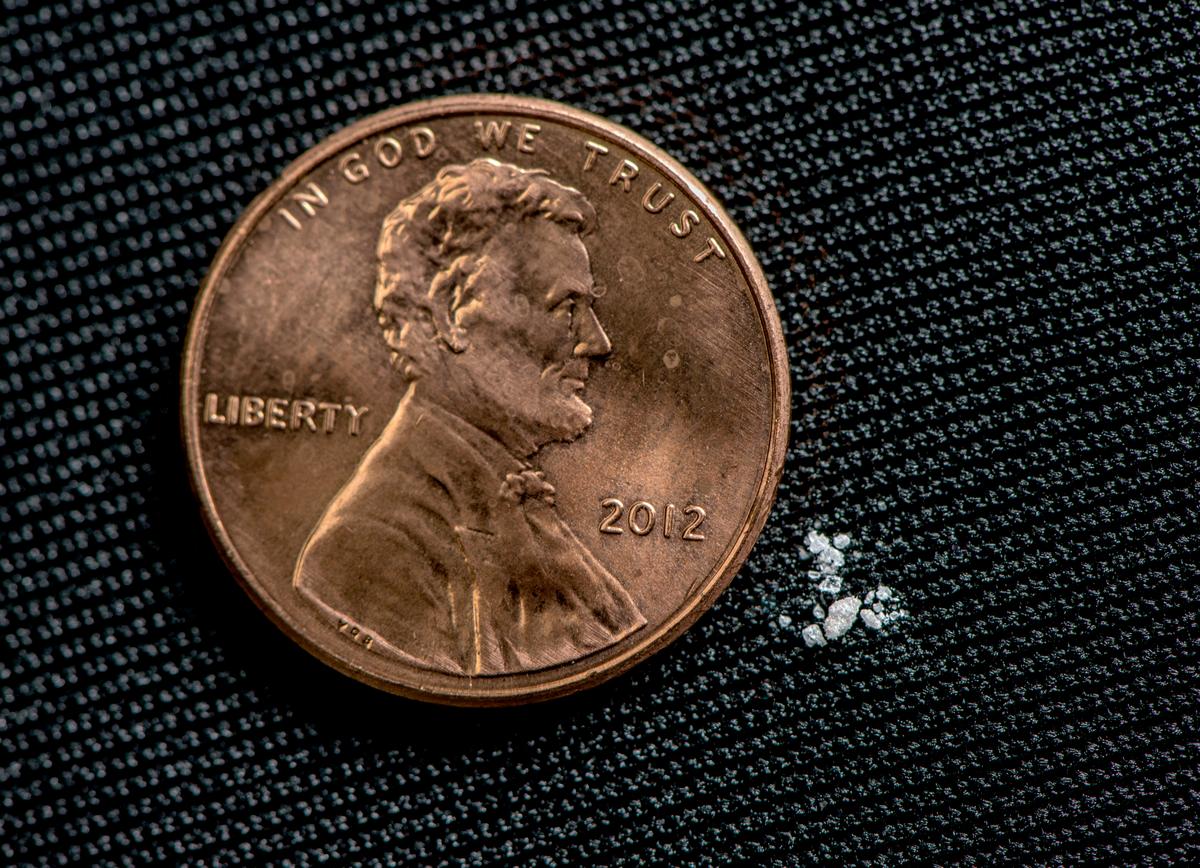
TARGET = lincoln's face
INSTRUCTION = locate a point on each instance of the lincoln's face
(531, 335)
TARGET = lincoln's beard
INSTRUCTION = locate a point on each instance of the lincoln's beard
(562, 416)
(527, 406)
(551, 410)
(557, 408)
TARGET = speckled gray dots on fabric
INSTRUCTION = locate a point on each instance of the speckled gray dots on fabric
(981, 228)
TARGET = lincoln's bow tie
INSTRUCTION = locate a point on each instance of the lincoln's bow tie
(527, 485)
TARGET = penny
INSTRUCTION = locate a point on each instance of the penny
(485, 400)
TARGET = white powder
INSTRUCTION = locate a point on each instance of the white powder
(830, 585)
(840, 616)
(877, 608)
(816, 542)
(829, 560)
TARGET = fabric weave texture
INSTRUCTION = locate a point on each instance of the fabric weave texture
(980, 226)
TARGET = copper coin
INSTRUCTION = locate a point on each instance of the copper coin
(485, 400)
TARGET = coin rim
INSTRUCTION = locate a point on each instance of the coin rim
(717, 581)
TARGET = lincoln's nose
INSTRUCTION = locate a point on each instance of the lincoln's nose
(593, 342)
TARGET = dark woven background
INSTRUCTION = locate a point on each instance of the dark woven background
(981, 228)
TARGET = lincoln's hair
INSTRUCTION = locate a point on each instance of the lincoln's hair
(431, 248)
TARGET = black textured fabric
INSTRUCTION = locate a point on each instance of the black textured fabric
(981, 228)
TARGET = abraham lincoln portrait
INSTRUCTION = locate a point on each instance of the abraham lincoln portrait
(445, 545)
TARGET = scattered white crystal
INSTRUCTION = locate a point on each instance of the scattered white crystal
(816, 542)
(812, 635)
(840, 616)
(830, 585)
(877, 609)
(785, 620)
(830, 560)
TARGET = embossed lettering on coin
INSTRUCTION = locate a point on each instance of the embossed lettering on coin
(485, 400)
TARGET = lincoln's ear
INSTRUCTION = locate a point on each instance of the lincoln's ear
(453, 288)
(393, 336)
(452, 334)
(411, 340)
